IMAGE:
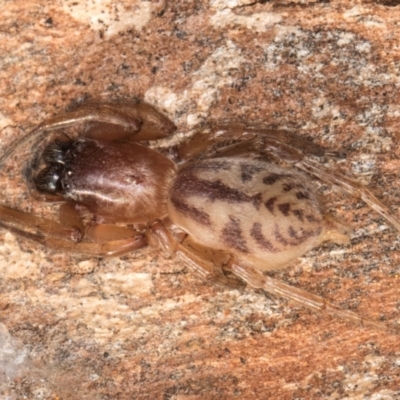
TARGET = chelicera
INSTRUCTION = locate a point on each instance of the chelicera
(213, 200)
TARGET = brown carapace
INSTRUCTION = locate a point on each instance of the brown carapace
(212, 200)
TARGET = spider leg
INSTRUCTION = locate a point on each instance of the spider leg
(204, 261)
(71, 215)
(19, 221)
(103, 240)
(202, 141)
(347, 185)
(352, 188)
(111, 241)
(110, 121)
(114, 121)
(103, 233)
(114, 248)
(287, 146)
(257, 280)
(139, 119)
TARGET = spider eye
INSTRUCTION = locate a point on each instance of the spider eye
(48, 179)
(55, 152)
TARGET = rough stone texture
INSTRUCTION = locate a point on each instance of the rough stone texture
(143, 326)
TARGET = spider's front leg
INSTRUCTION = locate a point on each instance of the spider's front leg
(106, 122)
(106, 241)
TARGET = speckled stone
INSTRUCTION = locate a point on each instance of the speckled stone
(144, 326)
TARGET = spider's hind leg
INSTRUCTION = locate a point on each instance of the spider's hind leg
(352, 188)
(256, 139)
(231, 272)
(289, 147)
(257, 280)
(291, 154)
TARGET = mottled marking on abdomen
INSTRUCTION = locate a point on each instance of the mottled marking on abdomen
(248, 207)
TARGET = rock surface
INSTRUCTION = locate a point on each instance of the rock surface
(144, 326)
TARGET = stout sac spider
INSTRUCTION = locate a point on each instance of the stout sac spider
(212, 200)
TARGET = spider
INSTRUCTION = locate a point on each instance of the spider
(213, 200)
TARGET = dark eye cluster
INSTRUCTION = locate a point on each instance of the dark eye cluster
(53, 156)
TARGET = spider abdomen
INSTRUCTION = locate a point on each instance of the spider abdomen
(257, 211)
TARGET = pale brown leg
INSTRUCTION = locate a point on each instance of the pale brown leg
(257, 280)
(352, 188)
(113, 248)
(103, 233)
(101, 239)
(204, 261)
(132, 117)
(15, 220)
(287, 146)
(69, 216)
(97, 233)
(138, 121)
(52, 234)
(347, 185)
(203, 141)
(101, 113)
(123, 120)
(355, 189)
